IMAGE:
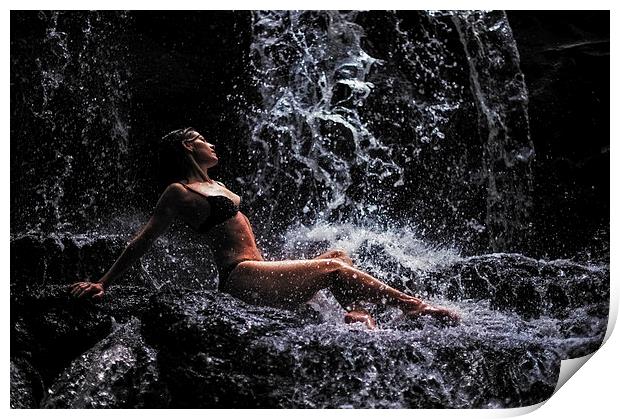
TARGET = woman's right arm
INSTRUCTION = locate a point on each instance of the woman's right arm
(164, 214)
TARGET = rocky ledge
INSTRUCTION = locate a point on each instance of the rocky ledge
(183, 347)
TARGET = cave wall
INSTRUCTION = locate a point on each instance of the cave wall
(565, 59)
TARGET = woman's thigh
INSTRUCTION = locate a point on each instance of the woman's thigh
(287, 283)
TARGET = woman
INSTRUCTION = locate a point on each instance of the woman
(210, 208)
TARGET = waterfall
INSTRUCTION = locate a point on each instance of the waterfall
(362, 118)
(341, 135)
(309, 139)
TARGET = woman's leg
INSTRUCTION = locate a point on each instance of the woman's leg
(347, 301)
(355, 312)
(336, 254)
(291, 283)
(287, 283)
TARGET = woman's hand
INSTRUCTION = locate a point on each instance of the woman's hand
(94, 290)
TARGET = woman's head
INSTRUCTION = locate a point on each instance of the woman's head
(186, 152)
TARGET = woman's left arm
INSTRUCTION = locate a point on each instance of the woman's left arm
(164, 214)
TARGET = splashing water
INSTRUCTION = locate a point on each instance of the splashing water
(399, 246)
(316, 143)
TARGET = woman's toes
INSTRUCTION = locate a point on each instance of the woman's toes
(444, 314)
(441, 313)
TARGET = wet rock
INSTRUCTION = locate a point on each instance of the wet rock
(49, 325)
(215, 351)
(191, 348)
(26, 385)
(61, 258)
(52, 328)
(55, 259)
(123, 302)
(397, 368)
(525, 299)
(203, 340)
(118, 372)
(202, 337)
(527, 286)
(192, 319)
(557, 299)
(574, 295)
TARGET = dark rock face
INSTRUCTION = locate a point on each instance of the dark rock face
(575, 296)
(99, 89)
(565, 59)
(528, 286)
(51, 329)
(26, 385)
(62, 259)
(184, 347)
(118, 372)
(210, 350)
(218, 352)
(59, 259)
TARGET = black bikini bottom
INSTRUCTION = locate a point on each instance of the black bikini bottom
(224, 273)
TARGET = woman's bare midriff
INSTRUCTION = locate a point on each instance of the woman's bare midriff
(233, 241)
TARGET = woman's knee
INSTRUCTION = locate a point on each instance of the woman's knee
(332, 265)
(342, 255)
(341, 273)
(338, 252)
(342, 284)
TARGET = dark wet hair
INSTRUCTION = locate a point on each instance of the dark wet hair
(173, 162)
(177, 136)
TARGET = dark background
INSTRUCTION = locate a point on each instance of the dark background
(565, 59)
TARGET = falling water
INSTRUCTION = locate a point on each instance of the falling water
(309, 138)
(325, 147)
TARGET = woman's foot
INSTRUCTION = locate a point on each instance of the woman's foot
(360, 316)
(442, 314)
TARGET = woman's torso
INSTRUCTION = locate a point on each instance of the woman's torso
(213, 210)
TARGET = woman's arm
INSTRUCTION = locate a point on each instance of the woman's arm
(164, 214)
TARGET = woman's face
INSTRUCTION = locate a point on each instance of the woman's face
(203, 151)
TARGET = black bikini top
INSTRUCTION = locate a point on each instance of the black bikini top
(222, 208)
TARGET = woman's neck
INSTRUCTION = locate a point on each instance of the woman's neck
(201, 176)
(199, 173)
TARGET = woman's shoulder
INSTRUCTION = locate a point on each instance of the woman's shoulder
(175, 188)
(174, 191)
